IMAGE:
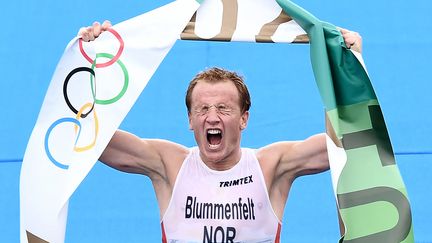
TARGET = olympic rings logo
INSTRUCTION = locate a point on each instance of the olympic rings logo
(89, 107)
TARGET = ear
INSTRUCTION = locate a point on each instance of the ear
(244, 120)
(190, 121)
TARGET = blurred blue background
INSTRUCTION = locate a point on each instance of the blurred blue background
(111, 206)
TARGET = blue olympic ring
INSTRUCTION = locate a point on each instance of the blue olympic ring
(62, 120)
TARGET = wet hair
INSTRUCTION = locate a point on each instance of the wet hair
(215, 75)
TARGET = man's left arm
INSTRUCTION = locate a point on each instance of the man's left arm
(283, 162)
(310, 156)
(307, 157)
(291, 159)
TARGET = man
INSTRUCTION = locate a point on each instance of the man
(218, 191)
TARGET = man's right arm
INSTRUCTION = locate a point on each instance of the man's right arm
(129, 153)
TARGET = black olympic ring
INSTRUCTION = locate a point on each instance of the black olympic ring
(76, 70)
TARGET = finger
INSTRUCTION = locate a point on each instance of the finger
(343, 31)
(106, 25)
(354, 37)
(81, 32)
(96, 29)
(85, 38)
(351, 37)
(357, 45)
(84, 34)
(350, 40)
(90, 33)
(354, 41)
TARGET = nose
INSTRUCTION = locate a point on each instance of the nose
(212, 116)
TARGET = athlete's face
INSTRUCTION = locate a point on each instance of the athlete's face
(217, 122)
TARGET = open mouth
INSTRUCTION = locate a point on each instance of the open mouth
(214, 137)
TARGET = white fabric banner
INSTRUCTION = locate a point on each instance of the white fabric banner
(83, 109)
(244, 20)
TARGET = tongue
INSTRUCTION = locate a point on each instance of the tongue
(214, 139)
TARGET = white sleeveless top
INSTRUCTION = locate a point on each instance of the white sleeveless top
(220, 206)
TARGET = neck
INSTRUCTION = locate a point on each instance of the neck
(224, 163)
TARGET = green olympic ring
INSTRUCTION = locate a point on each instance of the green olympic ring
(125, 84)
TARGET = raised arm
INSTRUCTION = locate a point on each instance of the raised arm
(283, 162)
(297, 158)
(310, 156)
(155, 158)
(158, 159)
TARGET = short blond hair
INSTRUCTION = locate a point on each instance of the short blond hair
(215, 75)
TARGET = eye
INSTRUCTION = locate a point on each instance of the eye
(202, 110)
(223, 109)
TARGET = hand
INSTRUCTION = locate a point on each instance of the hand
(352, 39)
(90, 33)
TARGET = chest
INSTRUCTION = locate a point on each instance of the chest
(211, 205)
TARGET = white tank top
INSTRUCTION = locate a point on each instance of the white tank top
(220, 206)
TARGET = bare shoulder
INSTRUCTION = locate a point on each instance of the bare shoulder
(271, 156)
(171, 156)
(156, 158)
(171, 153)
(282, 162)
(295, 157)
(274, 152)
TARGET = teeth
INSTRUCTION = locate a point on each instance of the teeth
(213, 146)
(214, 131)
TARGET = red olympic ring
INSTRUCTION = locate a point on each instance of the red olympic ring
(110, 62)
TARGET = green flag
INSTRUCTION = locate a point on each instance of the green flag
(371, 195)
